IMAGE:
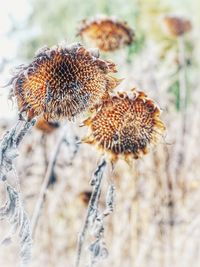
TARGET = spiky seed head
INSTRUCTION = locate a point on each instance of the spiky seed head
(108, 34)
(177, 26)
(125, 125)
(63, 81)
(45, 126)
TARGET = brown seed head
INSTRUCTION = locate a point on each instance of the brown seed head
(125, 125)
(177, 26)
(106, 33)
(45, 126)
(63, 82)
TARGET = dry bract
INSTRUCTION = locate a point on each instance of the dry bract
(106, 33)
(63, 82)
(46, 126)
(125, 125)
(84, 197)
(177, 26)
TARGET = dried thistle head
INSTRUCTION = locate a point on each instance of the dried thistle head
(45, 126)
(177, 26)
(106, 33)
(125, 125)
(63, 81)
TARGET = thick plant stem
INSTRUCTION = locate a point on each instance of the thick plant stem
(13, 211)
(92, 207)
(9, 145)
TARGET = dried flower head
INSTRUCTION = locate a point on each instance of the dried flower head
(46, 126)
(125, 125)
(177, 26)
(106, 33)
(63, 81)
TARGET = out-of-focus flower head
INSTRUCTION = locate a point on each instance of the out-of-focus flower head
(107, 33)
(125, 125)
(63, 81)
(177, 26)
(45, 126)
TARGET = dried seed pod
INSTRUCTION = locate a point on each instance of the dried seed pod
(46, 126)
(125, 125)
(177, 26)
(106, 33)
(63, 81)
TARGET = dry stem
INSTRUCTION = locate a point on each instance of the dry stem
(93, 205)
(46, 181)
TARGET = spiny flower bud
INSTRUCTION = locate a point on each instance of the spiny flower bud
(63, 81)
(125, 125)
(108, 34)
(177, 26)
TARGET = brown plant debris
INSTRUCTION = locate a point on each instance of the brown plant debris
(45, 126)
(84, 197)
(177, 26)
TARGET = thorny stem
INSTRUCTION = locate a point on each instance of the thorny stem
(43, 191)
(93, 205)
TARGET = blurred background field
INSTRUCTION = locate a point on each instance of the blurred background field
(156, 220)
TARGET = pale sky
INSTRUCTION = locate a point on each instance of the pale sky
(13, 13)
